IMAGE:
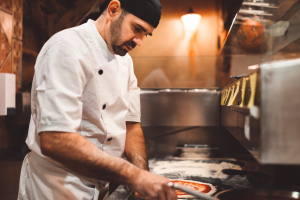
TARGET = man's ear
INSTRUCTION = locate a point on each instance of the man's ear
(113, 9)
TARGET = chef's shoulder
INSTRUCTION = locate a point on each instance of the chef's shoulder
(64, 51)
(72, 40)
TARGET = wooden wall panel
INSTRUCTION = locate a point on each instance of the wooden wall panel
(17, 13)
(5, 41)
(6, 67)
(10, 173)
(5, 47)
(6, 5)
(7, 139)
(11, 32)
(17, 19)
(17, 61)
(9, 179)
(6, 24)
(10, 60)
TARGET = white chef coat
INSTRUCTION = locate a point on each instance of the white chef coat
(78, 86)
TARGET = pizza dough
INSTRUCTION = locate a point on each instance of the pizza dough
(212, 190)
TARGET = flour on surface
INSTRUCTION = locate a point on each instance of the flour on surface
(193, 168)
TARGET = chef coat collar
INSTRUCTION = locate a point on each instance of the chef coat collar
(104, 48)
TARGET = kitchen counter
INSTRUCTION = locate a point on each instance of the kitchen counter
(203, 170)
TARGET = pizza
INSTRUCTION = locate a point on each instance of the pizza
(204, 188)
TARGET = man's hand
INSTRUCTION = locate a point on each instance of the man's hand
(153, 187)
(149, 186)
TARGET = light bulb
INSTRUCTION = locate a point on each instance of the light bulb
(191, 21)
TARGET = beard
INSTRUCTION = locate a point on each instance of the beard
(116, 37)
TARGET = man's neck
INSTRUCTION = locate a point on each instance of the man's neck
(101, 26)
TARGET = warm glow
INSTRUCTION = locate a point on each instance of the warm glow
(191, 21)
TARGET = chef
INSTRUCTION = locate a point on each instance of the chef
(86, 110)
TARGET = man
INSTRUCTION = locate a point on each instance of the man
(86, 113)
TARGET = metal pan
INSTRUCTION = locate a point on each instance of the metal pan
(257, 194)
(242, 194)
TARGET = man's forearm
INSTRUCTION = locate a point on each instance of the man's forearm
(135, 146)
(81, 156)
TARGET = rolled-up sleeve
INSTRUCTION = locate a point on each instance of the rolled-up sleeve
(134, 111)
(60, 77)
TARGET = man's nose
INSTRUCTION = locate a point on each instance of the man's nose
(138, 41)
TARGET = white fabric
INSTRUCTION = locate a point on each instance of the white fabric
(44, 180)
(68, 95)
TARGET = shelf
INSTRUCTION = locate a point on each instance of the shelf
(242, 110)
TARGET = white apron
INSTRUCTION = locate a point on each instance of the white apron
(43, 180)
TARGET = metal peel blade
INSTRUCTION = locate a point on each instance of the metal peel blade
(189, 191)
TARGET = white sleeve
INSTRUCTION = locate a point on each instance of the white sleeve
(134, 111)
(60, 75)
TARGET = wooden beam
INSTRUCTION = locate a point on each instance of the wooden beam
(76, 14)
(30, 52)
(44, 13)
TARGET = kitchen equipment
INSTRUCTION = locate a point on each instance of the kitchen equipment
(257, 194)
(278, 29)
(244, 172)
(269, 130)
(257, 179)
(196, 151)
(189, 191)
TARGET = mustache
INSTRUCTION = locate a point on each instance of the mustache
(130, 43)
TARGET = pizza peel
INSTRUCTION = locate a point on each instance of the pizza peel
(189, 191)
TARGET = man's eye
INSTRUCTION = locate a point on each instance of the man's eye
(137, 29)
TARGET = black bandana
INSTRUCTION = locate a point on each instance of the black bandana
(147, 10)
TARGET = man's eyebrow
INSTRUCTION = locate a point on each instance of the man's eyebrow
(144, 30)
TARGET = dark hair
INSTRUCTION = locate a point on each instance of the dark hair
(147, 10)
(105, 4)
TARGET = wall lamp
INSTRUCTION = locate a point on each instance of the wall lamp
(191, 20)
